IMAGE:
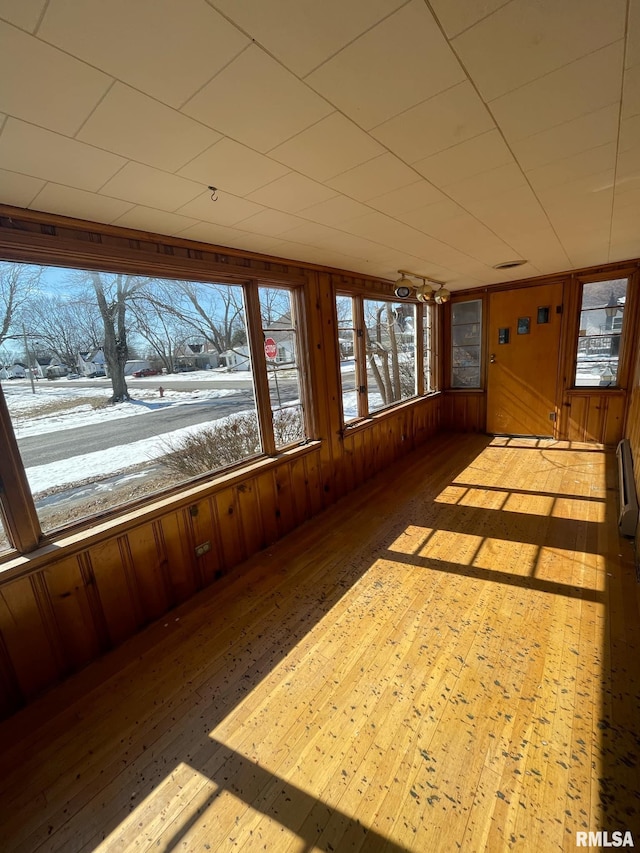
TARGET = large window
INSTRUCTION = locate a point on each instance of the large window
(386, 353)
(466, 344)
(120, 386)
(600, 333)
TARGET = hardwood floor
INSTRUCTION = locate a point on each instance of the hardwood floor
(448, 659)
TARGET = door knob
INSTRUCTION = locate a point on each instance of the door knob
(492, 358)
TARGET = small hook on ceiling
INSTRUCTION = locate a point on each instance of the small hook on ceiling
(214, 193)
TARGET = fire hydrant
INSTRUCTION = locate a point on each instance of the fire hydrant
(161, 390)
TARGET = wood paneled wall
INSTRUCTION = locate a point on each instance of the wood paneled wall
(66, 604)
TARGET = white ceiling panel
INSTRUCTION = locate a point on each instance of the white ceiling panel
(425, 218)
(335, 210)
(523, 41)
(141, 128)
(371, 83)
(47, 155)
(304, 33)
(570, 137)
(486, 184)
(69, 201)
(23, 13)
(168, 50)
(19, 190)
(406, 199)
(582, 87)
(631, 92)
(376, 177)
(469, 158)
(632, 54)
(155, 221)
(227, 210)
(438, 123)
(328, 148)
(568, 169)
(233, 167)
(292, 193)
(458, 15)
(256, 101)
(272, 223)
(317, 121)
(150, 187)
(59, 100)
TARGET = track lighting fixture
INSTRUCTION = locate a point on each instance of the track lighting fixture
(423, 292)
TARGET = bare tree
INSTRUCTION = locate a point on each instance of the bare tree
(114, 294)
(63, 327)
(17, 283)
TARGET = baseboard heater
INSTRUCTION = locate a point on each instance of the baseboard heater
(628, 517)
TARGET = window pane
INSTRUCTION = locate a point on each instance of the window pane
(391, 352)
(429, 346)
(599, 334)
(283, 368)
(5, 545)
(347, 349)
(466, 337)
(120, 386)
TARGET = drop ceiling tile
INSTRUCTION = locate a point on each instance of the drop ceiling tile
(632, 54)
(23, 13)
(291, 193)
(628, 167)
(631, 92)
(154, 221)
(59, 99)
(228, 210)
(335, 210)
(327, 148)
(469, 158)
(570, 137)
(523, 41)
(18, 190)
(44, 154)
(511, 213)
(438, 123)
(381, 175)
(395, 65)
(167, 50)
(303, 33)
(471, 237)
(424, 218)
(272, 223)
(141, 128)
(150, 187)
(257, 102)
(458, 15)
(68, 201)
(579, 191)
(581, 87)
(570, 168)
(385, 231)
(629, 133)
(332, 239)
(487, 184)
(233, 168)
(406, 199)
(217, 235)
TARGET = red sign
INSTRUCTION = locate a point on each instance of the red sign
(270, 348)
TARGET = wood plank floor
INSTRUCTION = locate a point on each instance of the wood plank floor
(446, 660)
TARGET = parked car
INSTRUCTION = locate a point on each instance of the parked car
(146, 371)
(73, 376)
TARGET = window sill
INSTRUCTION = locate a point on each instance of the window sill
(383, 414)
(91, 531)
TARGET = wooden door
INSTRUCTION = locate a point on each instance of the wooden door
(524, 345)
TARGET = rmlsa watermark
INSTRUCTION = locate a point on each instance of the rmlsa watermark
(618, 838)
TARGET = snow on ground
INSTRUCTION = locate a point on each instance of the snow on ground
(24, 405)
(99, 464)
